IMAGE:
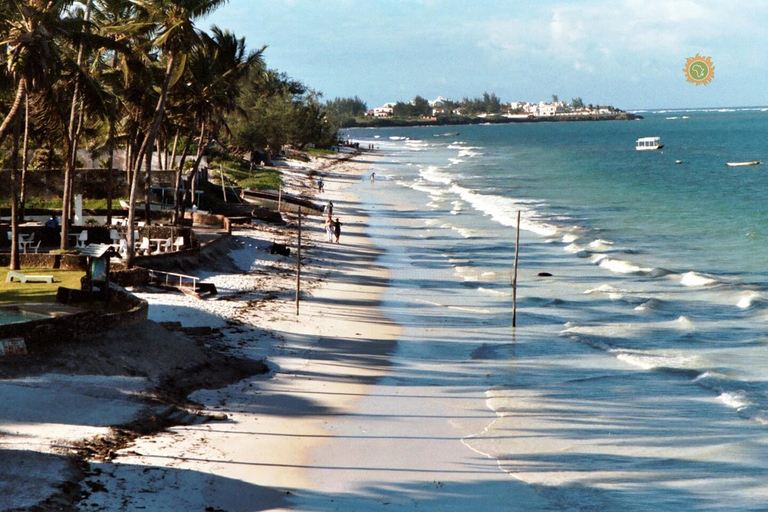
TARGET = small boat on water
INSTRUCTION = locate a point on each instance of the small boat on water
(447, 134)
(648, 144)
(280, 202)
(743, 164)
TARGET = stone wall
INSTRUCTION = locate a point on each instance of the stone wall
(208, 220)
(40, 334)
(62, 261)
(92, 183)
(136, 276)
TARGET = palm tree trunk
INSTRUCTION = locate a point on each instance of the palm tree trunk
(146, 148)
(110, 164)
(21, 92)
(160, 150)
(24, 161)
(179, 173)
(201, 148)
(148, 188)
(128, 163)
(75, 126)
(15, 260)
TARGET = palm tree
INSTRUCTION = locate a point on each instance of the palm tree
(216, 70)
(31, 31)
(172, 22)
(73, 135)
(39, 35)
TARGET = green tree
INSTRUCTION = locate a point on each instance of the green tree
(491, 103)
(343, 109)
(403, 110)
(421, 107)
(577, 103)
(215, 75)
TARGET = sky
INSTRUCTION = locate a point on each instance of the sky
(627, 53)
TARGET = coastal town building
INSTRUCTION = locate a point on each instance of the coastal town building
(441, 106)
(549, 109)
(439, 102)
(385, 110)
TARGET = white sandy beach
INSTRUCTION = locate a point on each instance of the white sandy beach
(340, 424)
(358, 412)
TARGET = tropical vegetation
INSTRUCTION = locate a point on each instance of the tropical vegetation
(140, 77)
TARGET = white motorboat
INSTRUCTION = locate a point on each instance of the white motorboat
(648, 144)
(743, 164)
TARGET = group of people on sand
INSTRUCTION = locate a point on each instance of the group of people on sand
(332, 227)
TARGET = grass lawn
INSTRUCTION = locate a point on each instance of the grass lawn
(16, 292)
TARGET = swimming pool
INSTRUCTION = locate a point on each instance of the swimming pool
(16, 315)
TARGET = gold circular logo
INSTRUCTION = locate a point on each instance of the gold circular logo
(699, 70)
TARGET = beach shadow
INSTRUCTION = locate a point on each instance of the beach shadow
(29, 478)
(173, 489)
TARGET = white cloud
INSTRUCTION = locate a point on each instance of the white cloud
(587, 35)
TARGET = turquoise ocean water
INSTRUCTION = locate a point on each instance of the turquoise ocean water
(637, 378)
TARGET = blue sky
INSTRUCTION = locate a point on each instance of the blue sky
(629, 53)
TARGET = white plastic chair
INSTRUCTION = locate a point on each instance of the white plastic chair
(35, 247)
(178, 244)
(144, 247)
(25, 242)
(82, 238)
(114, 235)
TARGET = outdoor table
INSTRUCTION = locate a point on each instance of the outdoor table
(24, 244)
(157, 242)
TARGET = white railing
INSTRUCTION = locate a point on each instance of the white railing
(173, 279)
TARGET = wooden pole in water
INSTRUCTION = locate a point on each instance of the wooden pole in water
(514, 274)
(298, 266)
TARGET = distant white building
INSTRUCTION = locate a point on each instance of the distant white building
(549, 109)
(385, 110)
(438, 102)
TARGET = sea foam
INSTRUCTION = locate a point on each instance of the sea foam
(504, 210)
(696, 279)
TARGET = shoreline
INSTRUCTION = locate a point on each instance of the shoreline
(404, 123)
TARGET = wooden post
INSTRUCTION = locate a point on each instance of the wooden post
(279, 201)
(298, 266)
(514, 275)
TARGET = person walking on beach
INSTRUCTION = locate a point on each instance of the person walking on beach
(373, 176)
(329, 228)
(337, 229)
(329, 209)
(320, 185)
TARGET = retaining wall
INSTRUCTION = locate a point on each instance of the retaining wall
(39, 334)
(47, 260)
